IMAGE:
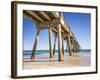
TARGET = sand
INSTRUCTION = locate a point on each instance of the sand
(43, 61)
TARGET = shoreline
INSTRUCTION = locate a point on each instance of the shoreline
(43, 61)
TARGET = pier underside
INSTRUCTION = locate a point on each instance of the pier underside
(55, 23)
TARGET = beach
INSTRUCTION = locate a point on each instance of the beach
(43, 61)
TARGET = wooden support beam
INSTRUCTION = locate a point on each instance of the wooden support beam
(55, 14)
(35, 15)
(60, 55)
(45, 15)
(44, 25)
(73, 46)
(55, 30)
(63, 45)
(35, 44)
(69, 45)
(66, 47)
(50, 43)
(76, 48)
(47, 24)
(65, 34)
(54, 43)
(28, 16)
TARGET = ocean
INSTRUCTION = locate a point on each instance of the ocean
(39, 52)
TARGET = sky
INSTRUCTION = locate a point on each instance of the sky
(79, 23)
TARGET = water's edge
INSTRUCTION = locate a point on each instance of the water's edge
(38, 52)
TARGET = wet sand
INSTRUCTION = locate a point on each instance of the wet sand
(43, 61)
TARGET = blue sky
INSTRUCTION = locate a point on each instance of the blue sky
(78, 22)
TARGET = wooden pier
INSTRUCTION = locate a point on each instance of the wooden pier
(55, 23)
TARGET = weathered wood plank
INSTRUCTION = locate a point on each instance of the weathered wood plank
(45, 15)
(69, 45)
(35, 15)
(54, 43)
(62, 45)
(29, 17)
(60, 54)
(50, 43)
(35, 44)
(55, 14)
